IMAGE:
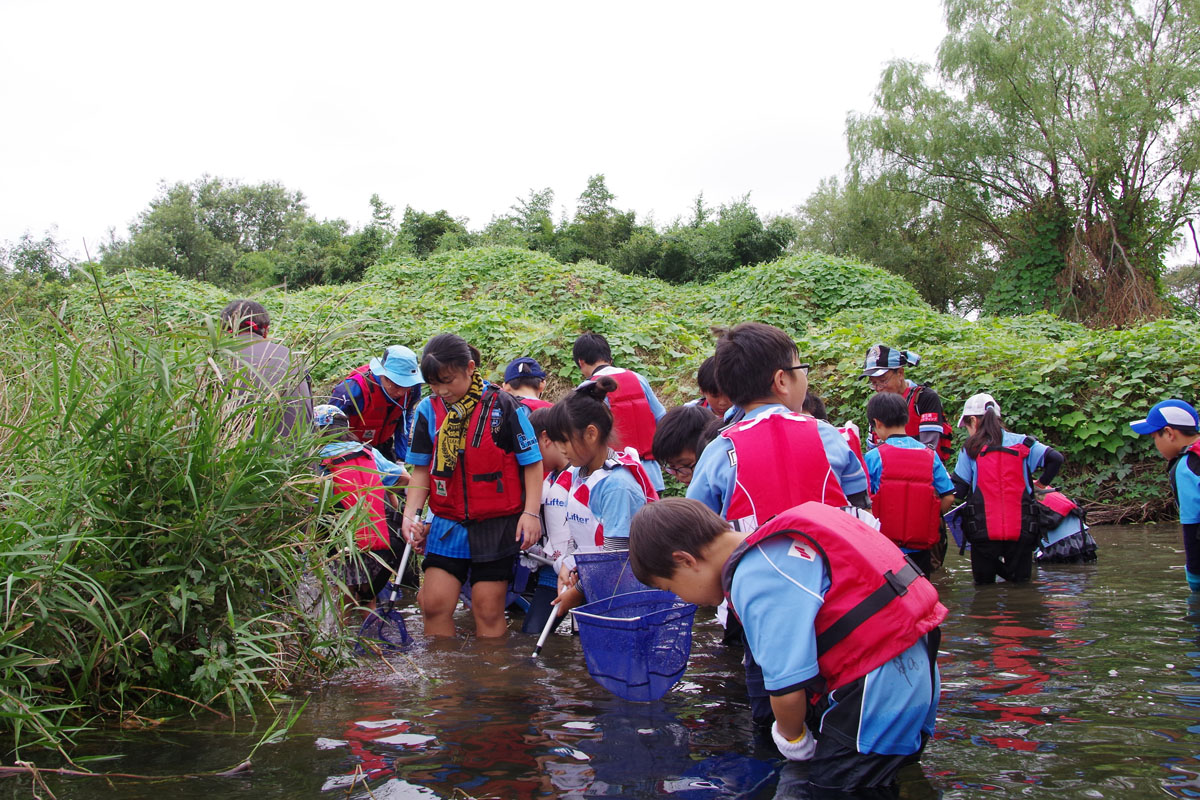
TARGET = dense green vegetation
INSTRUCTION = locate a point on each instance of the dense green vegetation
(154, 533)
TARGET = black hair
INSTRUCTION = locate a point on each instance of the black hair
(245, 315)
(1185, 430)
(570, 417)
(814, 406)
(990, 432)
(679, 430)
(526, 382)
(748, 356)
(446, 351)
(888, 408)
(706, 377)
(591, 348)
(659, 530)
(537, 420)
(711, 431)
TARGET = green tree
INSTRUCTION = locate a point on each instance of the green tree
(1065, 132)
(598, 228)
(423, 232)
(904, 233)
(31, 259)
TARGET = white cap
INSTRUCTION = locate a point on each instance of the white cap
(977, 405)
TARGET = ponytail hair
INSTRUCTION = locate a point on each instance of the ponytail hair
(990, 432)
(446, 351)
(571, 416)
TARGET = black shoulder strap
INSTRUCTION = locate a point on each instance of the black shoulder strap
(894, 585)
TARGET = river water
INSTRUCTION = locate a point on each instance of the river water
(1081, 685)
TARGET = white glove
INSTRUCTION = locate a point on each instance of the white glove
(801, 749)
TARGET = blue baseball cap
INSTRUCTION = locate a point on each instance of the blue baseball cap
(881, 358)
(1169, 412)
(523, 367)
(399, 365)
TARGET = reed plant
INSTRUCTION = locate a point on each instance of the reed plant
(153, 531)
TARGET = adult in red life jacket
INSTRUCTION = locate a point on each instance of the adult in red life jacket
(380, 397)
(360, 477)
(994, 473)
(524, 379)
(635, 407)
(910, 488)
(884, 369)
(477, 462)
(607, 486)
(844, 626)
(267, 371)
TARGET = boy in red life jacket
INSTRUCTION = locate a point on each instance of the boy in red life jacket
(775, 457)
(362, 476)
(844, 627)
(711, 396)
(910, 488)
(524, 379)
(380, 399)
(1175, 427)
(636, 409)
(884, 369)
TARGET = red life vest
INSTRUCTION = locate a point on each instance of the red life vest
(356, 479)
(632, 417)
(486, 482)
(855, 445)
(779, 461)
(533, 403)
(908, 508)
(1000, 503)
(878, 604)
(913, 428)
(376, 421)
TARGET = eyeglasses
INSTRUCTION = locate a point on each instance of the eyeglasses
(680, 471)
(802, 367)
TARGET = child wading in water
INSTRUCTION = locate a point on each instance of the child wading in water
(476, 460)
(607, 486)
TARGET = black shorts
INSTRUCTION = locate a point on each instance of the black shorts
(463, 569)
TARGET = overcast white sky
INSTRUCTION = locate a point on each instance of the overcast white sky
(463, 106)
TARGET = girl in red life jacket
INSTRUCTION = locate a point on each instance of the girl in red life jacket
(995, 473)
(476, 461)
(607, 486)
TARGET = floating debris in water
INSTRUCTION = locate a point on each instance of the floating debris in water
(688, 785)
(406, 739)
(380, 723)
(578, 755)
(582, 726)
(330, 744)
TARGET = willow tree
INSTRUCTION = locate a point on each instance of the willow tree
(1065, 132)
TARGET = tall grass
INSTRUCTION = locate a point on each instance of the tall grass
(152, 531)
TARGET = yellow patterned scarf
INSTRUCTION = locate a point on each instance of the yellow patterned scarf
(452, 436)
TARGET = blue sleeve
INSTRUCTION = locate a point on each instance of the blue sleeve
(964, 468)
(614, 502)
(420, 453)
(527, 451)
(941, 479)
(778, 589)
(843, 461)
(655, 406)
(1187, 487)
(389, 471)
(712, 476)
(1037, 454)
(348, 397)
(874, 469)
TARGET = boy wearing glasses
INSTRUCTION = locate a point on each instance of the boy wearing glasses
(776, 457)
(1175, 427)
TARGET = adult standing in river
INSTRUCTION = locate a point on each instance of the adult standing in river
(268, 368)
(380, 398)
(884, 369)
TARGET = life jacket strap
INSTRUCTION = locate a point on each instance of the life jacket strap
(894, 585)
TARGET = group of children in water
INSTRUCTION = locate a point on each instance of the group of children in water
(831, 599)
